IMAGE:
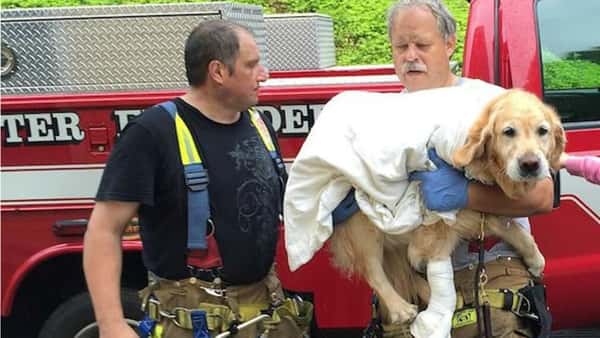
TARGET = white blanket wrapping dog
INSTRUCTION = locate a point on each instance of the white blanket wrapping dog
(372, 141)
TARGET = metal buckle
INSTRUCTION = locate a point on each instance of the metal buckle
(154, 303)
(214, 292)
(153, 308)
(207, 275)
(523, 308)
(181, 317)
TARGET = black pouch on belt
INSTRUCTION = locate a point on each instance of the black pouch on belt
(536, 294)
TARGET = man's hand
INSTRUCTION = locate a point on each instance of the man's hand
(443, 189)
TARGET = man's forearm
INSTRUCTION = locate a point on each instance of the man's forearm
(102, 266)
(491, 199)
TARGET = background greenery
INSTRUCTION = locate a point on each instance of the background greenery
(360, 26)
(573, 71)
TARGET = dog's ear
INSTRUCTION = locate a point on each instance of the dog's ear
(558, 135)
(479, 135)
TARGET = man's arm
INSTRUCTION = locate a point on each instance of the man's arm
(491, 199)
(102, 261)
(447, 189)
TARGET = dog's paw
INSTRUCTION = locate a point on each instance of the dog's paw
(536, 264)
(432, 324)
(403, 313)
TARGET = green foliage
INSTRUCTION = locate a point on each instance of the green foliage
(360, 26)
(566, 74)
(570, 72)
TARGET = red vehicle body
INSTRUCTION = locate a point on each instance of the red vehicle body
(41, 258)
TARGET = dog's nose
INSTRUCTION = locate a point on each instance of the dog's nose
(529, 165)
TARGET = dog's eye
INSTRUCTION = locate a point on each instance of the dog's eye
(509, 131)
(542, 131)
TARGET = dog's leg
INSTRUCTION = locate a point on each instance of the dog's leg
(513, 234)
(436, 320)
(357, 247)
(433, 244)
(406, 281)
(399, 310)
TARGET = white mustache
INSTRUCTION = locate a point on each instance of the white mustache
(414, 67)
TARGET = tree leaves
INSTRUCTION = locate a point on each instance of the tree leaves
(360, 26)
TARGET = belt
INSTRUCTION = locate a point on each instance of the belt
(212, 275)
(504, 299)
(220, 317)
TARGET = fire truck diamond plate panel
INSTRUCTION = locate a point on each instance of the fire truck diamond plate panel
(108, 48)
(300, 41)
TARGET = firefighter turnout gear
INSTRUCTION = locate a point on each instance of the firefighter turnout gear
(193, 307)
(512, 311)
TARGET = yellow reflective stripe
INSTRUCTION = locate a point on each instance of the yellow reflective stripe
(187, 146)
(259, 124)
(158, 331)
(464, 318)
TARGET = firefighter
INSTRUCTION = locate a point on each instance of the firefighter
(422, 34)
(204, 174)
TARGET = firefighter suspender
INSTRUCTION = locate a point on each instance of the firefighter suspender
(196, 179)
(196, 175)
(265, 136)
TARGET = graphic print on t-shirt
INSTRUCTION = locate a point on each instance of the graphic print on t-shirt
(254, 207)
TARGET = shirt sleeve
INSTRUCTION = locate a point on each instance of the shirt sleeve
(130, 171)
(587, 167)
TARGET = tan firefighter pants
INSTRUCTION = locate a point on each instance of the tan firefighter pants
(502, 273)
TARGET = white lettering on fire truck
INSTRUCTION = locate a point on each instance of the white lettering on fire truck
(122, 117)
(287, 119)
(42, 127)
(292, 119)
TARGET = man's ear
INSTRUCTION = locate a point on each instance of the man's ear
(450, 45)
(479, 135)
(216, 71)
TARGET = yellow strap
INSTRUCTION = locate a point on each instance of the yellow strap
(187, 146)
(494, 297)
(218, 317)
(259, 124)
(249, 311)
(158, 331)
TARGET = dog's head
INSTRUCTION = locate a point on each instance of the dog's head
(515, 142)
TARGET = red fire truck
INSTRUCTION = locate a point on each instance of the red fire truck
(56, 137)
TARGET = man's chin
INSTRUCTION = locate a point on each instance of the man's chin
(416, 81)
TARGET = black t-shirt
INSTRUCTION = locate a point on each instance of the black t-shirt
(244, 191)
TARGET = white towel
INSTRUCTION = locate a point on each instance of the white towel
(372, 141)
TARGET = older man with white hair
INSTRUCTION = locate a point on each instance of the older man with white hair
(422, 34)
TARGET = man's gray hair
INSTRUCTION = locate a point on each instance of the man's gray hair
(445, 21)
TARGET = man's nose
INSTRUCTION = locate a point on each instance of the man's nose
(263, 73)
(411, 52)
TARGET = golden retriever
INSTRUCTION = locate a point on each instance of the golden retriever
(514, 143)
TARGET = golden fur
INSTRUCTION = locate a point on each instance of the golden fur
(515, 134)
